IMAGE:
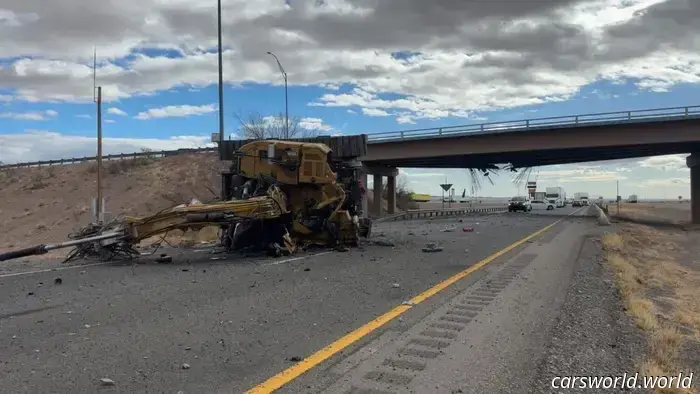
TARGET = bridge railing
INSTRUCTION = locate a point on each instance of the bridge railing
(643, 115)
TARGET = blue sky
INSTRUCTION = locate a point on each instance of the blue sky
(347, 80)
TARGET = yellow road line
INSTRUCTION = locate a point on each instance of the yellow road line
(315, 359)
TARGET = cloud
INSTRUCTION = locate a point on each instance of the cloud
(83, 116)
(665, 163)
(5, 98)
(374, 112)
(117, 111)
(176, 111)
(36, 115)
(314, 124)
(110, 121)
(580, 174)
(669, 182)
(465, 56)
(34, 145)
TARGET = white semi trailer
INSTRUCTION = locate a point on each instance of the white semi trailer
(581, 198)
(557, 196)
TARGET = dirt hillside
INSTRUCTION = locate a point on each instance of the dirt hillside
(43, 205)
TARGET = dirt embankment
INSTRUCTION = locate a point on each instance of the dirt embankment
(43, 205)
(658, 275)
(677, 213)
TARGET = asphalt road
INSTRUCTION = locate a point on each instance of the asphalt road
(234, 322)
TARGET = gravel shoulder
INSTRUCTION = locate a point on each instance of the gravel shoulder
(592, 335)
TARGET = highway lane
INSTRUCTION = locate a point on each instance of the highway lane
(235, 323)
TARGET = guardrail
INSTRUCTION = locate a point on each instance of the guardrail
(603, 118)
(425, 213)
(121, 156)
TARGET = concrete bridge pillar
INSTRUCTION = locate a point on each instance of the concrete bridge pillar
(365, 205)
(378, 174)
(377, 200)
(391, 197)
(693, 162)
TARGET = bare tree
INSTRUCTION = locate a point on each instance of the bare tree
(258, 127)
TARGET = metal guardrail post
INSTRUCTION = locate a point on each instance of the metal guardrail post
(629, 115)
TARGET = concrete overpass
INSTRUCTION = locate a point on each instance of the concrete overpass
(538, 142)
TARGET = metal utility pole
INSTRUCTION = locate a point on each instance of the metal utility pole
(286, 97)
(99, 154)
(98, 100)
(618, 197)
(221, 80)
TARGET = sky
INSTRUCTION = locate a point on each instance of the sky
(353, 66)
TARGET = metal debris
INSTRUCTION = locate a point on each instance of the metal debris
(107, 382)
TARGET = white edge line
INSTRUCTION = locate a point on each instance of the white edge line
(114, 262)
(54, 269)
(297, 258)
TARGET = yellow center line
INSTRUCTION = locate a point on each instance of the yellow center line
(315, 359)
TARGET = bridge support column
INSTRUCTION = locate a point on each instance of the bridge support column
(377, 200)
(379, 173)
(693, 162)
(391, 194)
(365, 205)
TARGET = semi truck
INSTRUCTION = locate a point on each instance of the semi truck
(632, 199)
(580, 199)
(557, 196)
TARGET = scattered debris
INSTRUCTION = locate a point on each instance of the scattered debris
(295, 359)
(409, 303)
(432, 248)
(31, 293)
(57, 281)
(383, 243)
(448, 230)
(468, 229)
(307, 269)
(185, 366)
(396, 285)
(107, 382)
(185, 269)
(164, 259)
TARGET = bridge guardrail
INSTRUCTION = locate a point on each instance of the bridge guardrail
(603, 118)
(425, 213)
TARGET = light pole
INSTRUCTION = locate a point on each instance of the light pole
(286, 101)
(221, 80)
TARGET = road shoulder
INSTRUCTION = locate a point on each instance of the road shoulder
(592, 335)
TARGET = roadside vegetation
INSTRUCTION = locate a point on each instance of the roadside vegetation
(659, 282)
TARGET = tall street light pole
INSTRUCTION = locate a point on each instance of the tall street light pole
(221, 81)
(286, 101)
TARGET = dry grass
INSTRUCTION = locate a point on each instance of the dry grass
(660, 294)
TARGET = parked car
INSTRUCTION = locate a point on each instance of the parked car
(577, 203)
(541, 205)
(519, 204)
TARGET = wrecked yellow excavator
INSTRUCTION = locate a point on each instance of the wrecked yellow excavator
(279, 196)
